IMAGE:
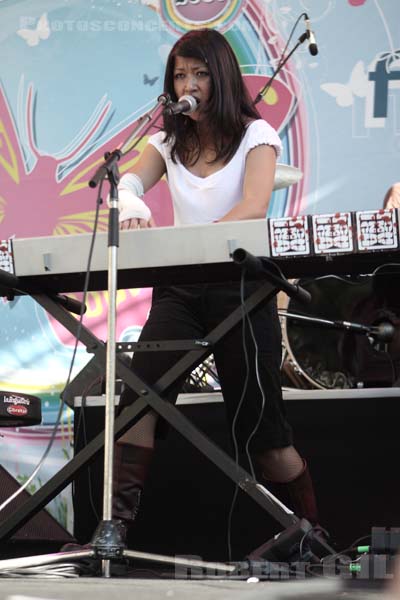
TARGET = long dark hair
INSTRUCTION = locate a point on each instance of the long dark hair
(229, 108)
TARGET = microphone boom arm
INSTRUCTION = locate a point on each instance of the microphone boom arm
(383, 332)
(113, 157)
(304, 36)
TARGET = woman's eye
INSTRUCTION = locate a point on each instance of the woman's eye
(178, 76)
(202, 74)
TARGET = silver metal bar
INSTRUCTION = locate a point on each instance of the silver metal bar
(180, 560)
(43, 559)
(110, 387)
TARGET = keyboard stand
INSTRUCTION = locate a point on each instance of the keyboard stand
(152, 398)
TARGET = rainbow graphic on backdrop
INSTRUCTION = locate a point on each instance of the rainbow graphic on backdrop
(183, 15)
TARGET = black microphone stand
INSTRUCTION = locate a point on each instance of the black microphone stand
(304, 36)
(384, 332)
(108, 537)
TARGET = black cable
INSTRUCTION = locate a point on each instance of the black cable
(234, 421)
(302, 542)
(376, 272)
(99, 201)
(394, 264)
(79, 327)
(289, 38)
(342, 553)
(263, 399)
(341, 278)
(82, 423)
(246, 319)
(281, 60)
(391, 363)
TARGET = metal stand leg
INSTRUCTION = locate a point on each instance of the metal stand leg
(106, 528)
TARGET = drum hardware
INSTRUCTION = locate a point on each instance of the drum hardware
(203, 379)
(315, 372)
(292, 376)
(384, 331)
(379, 336)
(350, 337)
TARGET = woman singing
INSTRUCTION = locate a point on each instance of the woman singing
(220, 164)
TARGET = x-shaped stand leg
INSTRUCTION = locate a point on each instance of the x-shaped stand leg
(151, 397)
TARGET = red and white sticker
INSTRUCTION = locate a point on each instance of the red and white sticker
(6, 256)
(289, 236)
(332, 233)
(377, 230)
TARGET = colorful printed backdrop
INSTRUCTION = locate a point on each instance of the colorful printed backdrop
(75, 76)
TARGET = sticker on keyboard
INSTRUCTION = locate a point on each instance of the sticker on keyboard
(333, 233)
(289, 236)
(377, 230)
(6, 256)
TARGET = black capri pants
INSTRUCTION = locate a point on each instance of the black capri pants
(191, 312)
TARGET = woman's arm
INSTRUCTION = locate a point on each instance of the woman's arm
(392, 198)
(150, 167)
(257, 186)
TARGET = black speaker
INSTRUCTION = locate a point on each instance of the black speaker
(41, 530)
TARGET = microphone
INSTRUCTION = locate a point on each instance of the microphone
(383, 332)
(184, 106)
(312, 42)
(257, 266)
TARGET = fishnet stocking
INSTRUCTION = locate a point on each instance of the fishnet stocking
(281, 465)
(142, 433)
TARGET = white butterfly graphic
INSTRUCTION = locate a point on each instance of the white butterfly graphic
(33, 36)
(344, 92)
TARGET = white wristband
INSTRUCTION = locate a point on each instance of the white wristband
(133, 183)
(130, 190)
(132, 207)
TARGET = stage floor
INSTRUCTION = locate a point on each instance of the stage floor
(346, 441)
(151, 589)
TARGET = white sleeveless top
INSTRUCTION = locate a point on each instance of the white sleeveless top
(207, 199)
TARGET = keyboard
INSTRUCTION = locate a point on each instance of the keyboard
(344, 243)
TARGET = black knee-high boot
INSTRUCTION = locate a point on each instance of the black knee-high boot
(302, 496)
(299, 494)
(131, 464)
